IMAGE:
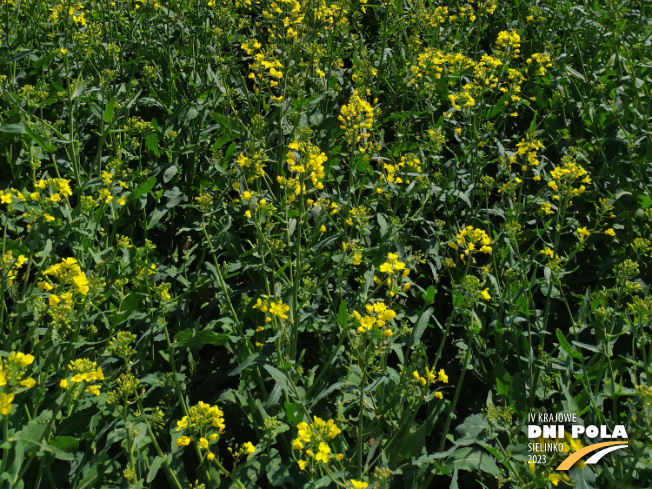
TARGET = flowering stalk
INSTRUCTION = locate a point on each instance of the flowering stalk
(467, 356)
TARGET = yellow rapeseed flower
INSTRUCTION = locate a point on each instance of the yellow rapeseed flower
(5, 403)
(323, 455)
(358, 484)
(583, 232)
(183, 441)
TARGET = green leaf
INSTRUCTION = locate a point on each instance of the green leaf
(404, 115)
(230, 152)
(19, 457)
(248, 361)
(65, 443)
(174, 196)
(294, 413)
(337, 386)
(429, 296)
(79, 89)
(280, 378)
(153, 469)
(222, 140)
(13, 128)
(503, 380)
(472, 459)
(156, 216)
(144, 188)
(575, 73)
(34, 430)
(170, 173)
(566, 346)
(644, 201)
(473, 425)
(108, 111)
(39, 140)
(422, 323)
(342, 315)
(382, 222)
(130, 305)
(454, 481)
(413, 440)
(403, 148)
(45, 60)
(191, 114)
(151, 142)
(196, 340)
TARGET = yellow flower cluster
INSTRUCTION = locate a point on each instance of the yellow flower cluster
(546, 208)
(275, 308)
(487, 6)
(262, 208)
(68, 273)
(549, 253)
(355, 251)
(509, 40)
(356, 118)
(484, 71)
(201, 419)
(430, 378)
(529, 149)
(202, 416)
(435, 16)
(391, 268)
(268, 70)
(305, 159)
(254, 165)
(357, 215)
(330, 15)
(393, 265)
(84, 372)
(12, 370)
(287, 17)
(378, 314)
(317, 435)
(58, 189)
(7, 197)
(466, 11)
(250, 46)
(513, 87)
(246, 448)
(409, 164)
(11, 265)
(75, 12)
(543, 60)
(471, 239)
(565, 176)
(431, 64)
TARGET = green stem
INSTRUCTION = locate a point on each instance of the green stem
(228, 474)
(171, 476)
(467, 356)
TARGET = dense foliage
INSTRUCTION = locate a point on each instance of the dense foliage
(322, 243)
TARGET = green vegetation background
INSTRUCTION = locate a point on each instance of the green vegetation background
(322, 243)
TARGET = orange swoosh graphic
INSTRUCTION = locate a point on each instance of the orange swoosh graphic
(571, 459)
